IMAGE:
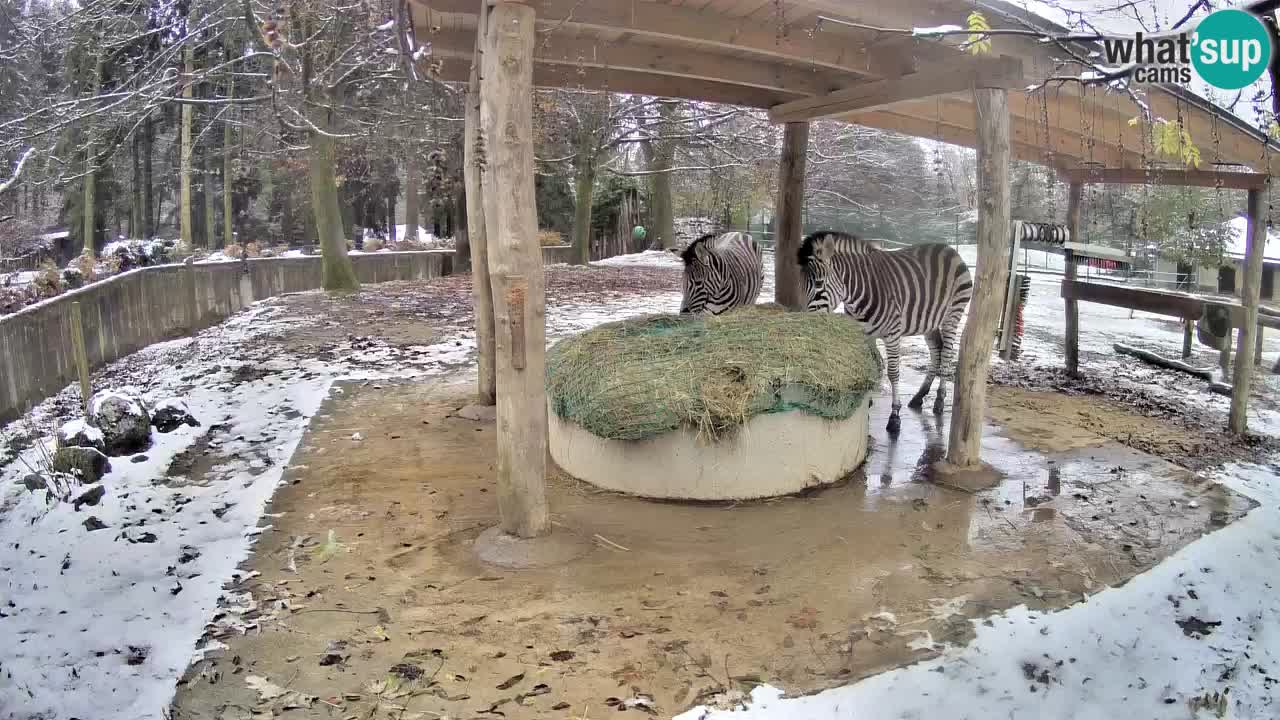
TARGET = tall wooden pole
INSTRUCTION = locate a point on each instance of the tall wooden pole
(1243, 375)
(515, 268)
(787, 215)
(1071, 338)
(475, 156)
(992, 110)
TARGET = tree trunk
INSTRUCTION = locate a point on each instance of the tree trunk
(515, 262)
(583, 184)
(210, 228)
(474, 166)
(786, 218)
(411, 183)
(149, 221)
(90, 220)
(338, 272)
(135, 184)
(228, 227)
(991, 107)
(184, 202)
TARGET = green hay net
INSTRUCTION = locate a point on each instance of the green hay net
(646, 376)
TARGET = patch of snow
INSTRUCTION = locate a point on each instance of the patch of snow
(659, 258)
(14, 279)
(936, 30)
(80, 426)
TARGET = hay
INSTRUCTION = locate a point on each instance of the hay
(650, 375)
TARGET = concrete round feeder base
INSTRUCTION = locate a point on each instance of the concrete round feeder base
(496, 547)
(772, 455)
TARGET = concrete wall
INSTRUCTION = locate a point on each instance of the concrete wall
(135, 309)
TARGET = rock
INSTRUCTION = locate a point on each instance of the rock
(34, 482)
(84, 463)
(123, 420)
(90, 497)
(171, 414)
(78, 433)
(93, 523)
(138, 459)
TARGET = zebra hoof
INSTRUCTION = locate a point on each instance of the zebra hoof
(916, 402)
(895, 424)
(938, 406)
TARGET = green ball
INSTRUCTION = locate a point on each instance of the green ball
(638, 232)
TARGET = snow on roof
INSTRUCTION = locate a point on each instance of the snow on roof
(1238, 240)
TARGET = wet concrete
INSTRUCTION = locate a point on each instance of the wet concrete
(676, 602)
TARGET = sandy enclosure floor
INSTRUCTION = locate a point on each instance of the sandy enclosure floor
(394, 617)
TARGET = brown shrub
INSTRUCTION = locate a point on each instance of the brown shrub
(48, 280)
(550, 237)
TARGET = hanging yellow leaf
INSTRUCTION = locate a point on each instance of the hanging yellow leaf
(1172, 140)
(1273, 130)
(1133, 121)
(979, 41)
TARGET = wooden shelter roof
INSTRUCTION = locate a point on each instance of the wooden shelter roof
(801, 59)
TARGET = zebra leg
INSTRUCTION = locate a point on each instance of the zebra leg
(946, 361)
(934, 340)
(891, 354)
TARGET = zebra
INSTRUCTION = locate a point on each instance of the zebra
(720, 273)
(919, 290)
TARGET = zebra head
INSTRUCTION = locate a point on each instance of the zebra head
(708, 282)
(821, 291)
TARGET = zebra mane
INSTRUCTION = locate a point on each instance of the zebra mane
(843, 241)
(688, 253)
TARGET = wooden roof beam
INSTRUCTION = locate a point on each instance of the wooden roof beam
(676, 62)
(1159, 176)
(964, 74)
(695, 28)
(943, 132)
(625, 81)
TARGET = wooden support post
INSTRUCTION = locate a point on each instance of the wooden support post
(82, 358)
(515, 268)
(473, 169)
(1071, 338)
(1224, 359)
(991, 107)
(786, 218)
(1011, 293)
(1188, 330)
(1257, 348)
(1243, 376)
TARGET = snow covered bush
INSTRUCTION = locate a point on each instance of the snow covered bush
(48, 280)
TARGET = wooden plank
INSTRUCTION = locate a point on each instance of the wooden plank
(695, 28)
(964, 74)
(1242, 378)
(1154, 359)
(1098, 251)
(1071, 337)
(515, 265)
(481, 287)
(668, 61)
(1179, 178)
(1187, 307)
(787, 215)
(974, 358)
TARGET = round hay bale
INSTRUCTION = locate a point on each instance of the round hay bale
(754, 403)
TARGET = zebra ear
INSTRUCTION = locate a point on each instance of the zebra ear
(701, 252)
(824, 248)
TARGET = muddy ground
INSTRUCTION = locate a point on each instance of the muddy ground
(393, 616)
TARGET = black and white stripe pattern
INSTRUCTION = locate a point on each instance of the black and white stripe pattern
(919, 290)
(721, 272)
(1024, 291)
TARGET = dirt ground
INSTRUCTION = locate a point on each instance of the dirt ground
(365, 599)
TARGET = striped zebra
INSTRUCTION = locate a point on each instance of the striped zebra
(920, 290)
(720, 273)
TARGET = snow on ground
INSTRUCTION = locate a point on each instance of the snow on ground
(14, 279)
(1204, 621)
(102, 623)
